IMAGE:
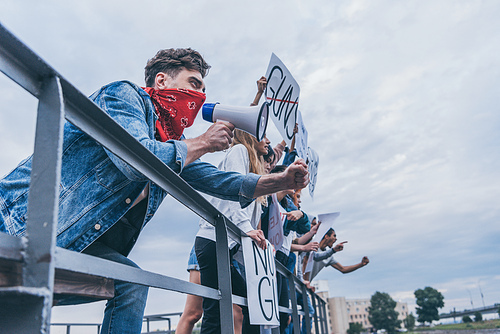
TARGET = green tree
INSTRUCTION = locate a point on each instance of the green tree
(355, 328)
(429, 301)
(382, 313)
(466, 319)
(478, 317)
(498, 311)
(409, 322)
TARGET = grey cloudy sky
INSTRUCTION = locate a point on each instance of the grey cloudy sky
(400, 99)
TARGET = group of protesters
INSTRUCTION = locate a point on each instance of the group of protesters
(104, 203)
(248, 155)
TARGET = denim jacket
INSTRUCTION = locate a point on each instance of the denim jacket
(97, 188)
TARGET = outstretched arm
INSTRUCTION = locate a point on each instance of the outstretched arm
(307, 236)
(295, 130)
(261, 86)
(291, 154)
(351, 268)
(312, 246)
(321, 255)
(295, 176)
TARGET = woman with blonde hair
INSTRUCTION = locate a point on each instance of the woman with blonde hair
(193, 309)
(245, 156)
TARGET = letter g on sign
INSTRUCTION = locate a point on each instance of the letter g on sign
(267, 301)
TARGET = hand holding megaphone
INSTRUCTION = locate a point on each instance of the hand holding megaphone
(219, 136)
(249, 119)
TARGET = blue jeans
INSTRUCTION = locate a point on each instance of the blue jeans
(193, 261)
(124, 312)
(311, 312)
(207, 259)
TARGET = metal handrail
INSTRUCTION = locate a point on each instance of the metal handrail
(58, 98)
(68, 326)
(147, 319)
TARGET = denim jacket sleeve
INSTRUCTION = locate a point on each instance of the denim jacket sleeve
(131, 107)
(232, 179)
(231, 186)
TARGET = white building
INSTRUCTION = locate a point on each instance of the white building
(342, 311)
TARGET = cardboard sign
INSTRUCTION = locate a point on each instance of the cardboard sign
(309, 265)
(301, 138)
(326, 220)
(276, 221)
(262, 291)
(282, 94)
(312, 165)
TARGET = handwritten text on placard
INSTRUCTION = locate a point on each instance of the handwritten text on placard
(262, 294)
(312, 165)
(301, 137)
(282, 94)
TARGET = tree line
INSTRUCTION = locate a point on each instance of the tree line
(382, 313)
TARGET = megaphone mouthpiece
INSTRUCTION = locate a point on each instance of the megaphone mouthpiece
(208, 111)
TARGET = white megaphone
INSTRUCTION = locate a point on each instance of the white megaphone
(249, 119)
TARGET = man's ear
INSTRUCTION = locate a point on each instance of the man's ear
(163, 81)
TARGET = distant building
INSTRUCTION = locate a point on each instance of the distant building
(342, 311)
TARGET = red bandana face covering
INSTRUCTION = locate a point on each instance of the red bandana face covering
(176, 109)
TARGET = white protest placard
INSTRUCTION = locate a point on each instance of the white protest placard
(309, 265)
(282, 94)
(262, 291)
(326, 220)
(301, 137)
(276, 221)
(312, 166)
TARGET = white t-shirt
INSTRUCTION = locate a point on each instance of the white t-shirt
(247, 219)
(319, 265)
(287, 242)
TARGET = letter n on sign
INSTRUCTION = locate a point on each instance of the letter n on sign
(262, 292)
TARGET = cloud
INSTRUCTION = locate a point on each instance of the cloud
(400, 101)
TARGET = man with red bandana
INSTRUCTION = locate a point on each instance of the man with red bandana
(104, 202)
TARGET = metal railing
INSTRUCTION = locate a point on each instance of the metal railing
(148, 319)
(160, 317)
(483, 310)
(68, 326)
(26, 307)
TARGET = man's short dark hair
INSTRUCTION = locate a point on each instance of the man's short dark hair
(328, 233)
(172, 61)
